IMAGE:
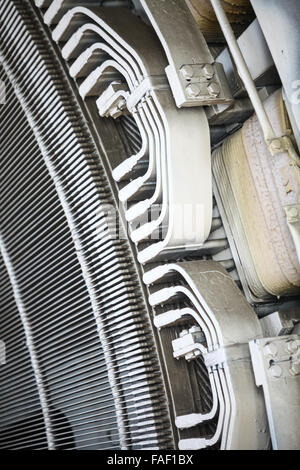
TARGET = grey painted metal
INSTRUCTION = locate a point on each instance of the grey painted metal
(293, 220)
(243, 71)
(194, 77)
(227, 322)
(276, 363)
(280, 323)
(133, 57)
(257, 56)
(230, 115)
(263, 72)
(283, 18)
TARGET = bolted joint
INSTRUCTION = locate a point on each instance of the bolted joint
(186, 345)
(192, 355)
(198, 72)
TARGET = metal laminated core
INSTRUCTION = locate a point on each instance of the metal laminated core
(93, 380)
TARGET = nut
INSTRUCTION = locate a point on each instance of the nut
(270, 350)
(292, 211)
(208, 71)
(193, 90)
(295, 368)
(187, 71)
(292, 347)
(214, 89)
(276, 371)
(122, 104)
(276, 145)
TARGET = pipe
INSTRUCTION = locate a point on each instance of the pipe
(243, 71)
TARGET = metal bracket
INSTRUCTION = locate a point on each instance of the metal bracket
(280, 323)
(293, 221)
(276, 363)
(225, 323)
(112, 102)
(188, 345)
(194, 77)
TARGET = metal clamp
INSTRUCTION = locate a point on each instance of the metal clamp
(276, 363)
(194, 78)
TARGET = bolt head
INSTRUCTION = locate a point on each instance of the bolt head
(270, 350)
(122, 104)
(292, 211)
(208, 71)
(187, 71)
(276, 144)
(292, 347)
(295, 368)
(276, 372)
(214, 89)
(193, 90)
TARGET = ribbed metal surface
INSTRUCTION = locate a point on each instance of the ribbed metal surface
(132, 133)
(95, 367)
(22, 423)
(52, 289)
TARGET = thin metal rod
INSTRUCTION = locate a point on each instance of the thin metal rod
(243, 71)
